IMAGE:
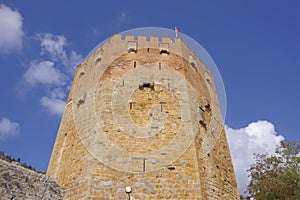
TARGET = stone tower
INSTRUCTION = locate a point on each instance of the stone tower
(143, 115)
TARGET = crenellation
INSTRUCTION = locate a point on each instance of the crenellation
(153, 42)
(129, 37)
(166, 40)
(142, 42)
(118, 37)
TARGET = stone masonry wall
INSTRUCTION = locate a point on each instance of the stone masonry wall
(143, 114)
(19, 183)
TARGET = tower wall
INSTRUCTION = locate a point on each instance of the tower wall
(145, 114)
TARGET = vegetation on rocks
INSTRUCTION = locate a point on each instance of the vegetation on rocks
(11, 159)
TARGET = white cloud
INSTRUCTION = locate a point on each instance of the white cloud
(8, 128)
(53, 106)
(11, 30)
(54, 46)
(58, 93)
(53, 72)
(257, 137)
(43, 72)
(74, 60)
(55, 102)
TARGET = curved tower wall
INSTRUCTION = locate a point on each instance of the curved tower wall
(143, 114)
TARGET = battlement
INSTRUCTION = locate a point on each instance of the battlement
(121, 44)
(153, 49)
(150, 41)
(164, 44)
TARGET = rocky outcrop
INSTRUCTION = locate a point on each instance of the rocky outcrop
(17, 182)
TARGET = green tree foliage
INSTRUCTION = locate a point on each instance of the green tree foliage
(276, 176)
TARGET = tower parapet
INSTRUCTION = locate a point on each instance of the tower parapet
(118, 45)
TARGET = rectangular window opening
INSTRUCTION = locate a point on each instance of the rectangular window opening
(163, 51)
(147, 85)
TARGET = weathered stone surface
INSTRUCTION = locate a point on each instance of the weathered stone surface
(143, 114)
(17, 182)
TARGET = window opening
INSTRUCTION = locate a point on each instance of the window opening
(147, 85)
(131, 104)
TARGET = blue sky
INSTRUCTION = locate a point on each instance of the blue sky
(255, 44)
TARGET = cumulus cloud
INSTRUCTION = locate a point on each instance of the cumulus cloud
(11, 30)
(53, 106)
(54, 46)
(257, 137)
(8, 128)
(43, 72)
(55, 102)
(52, 72)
